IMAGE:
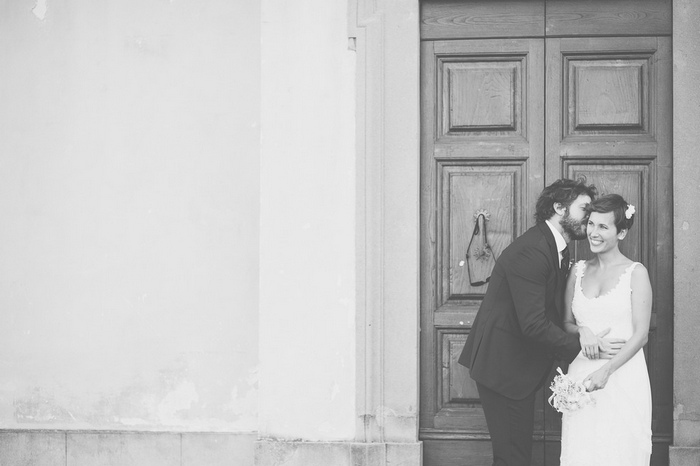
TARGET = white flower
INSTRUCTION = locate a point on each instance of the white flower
(630, 211)
(567, 395)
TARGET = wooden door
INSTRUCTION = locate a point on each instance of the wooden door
(483, 151)
(609, 119)
(502, 118)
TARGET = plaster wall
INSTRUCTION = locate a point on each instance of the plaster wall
(129, 181)
(307, 223)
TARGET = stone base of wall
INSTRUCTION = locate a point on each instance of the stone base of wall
(684, 456)
(95, 448)
(277, 453)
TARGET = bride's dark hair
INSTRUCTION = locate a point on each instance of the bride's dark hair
(617, 205)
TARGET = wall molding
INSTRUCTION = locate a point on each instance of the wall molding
(385, 35)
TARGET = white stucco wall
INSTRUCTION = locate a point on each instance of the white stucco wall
(307, 260)
(129, 181)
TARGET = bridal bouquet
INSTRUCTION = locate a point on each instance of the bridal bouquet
(567, 395)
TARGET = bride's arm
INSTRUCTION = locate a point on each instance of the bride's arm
(641, 314)
(588, 340)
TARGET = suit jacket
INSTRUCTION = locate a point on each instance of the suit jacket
(517, 334)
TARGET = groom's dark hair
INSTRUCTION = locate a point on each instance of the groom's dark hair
(562, 191)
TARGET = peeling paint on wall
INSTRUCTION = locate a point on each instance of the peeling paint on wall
(39, 9)
(188, 392)
(680, 414)
(245, 408)
(39, 408)
(180, 399)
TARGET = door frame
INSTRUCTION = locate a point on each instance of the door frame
(385, 37)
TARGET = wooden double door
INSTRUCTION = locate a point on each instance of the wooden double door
(501, 119)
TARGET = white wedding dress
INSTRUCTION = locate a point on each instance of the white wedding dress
(616, 430)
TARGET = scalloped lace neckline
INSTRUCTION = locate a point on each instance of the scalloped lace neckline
(607, 293)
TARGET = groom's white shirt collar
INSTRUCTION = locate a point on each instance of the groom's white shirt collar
(558, 238)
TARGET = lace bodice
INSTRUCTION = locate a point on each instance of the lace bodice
(612, 309)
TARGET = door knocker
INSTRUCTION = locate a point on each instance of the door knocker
(480, 257)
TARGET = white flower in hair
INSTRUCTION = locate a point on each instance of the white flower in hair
(630, 211)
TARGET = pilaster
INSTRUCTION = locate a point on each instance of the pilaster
(386, 36)
(685, 450)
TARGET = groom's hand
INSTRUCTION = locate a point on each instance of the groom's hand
(609, 347)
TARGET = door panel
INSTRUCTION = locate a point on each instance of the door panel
(611, 123)
(608, 17)
(483, 151)
(610, 94)
(488, 97)
(449, 19)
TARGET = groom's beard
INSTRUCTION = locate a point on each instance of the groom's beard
(576, 229)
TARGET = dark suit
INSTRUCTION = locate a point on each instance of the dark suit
(515, 339)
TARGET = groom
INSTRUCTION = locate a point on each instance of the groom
(517, 332)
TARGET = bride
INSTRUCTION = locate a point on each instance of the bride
(609, 292)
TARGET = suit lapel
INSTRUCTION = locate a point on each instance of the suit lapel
(553, 253)
(556, 267)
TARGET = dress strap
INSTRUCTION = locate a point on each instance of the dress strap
(631, 268)
(627, 275)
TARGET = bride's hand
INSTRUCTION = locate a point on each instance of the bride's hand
(589, 342)
(597, 379)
